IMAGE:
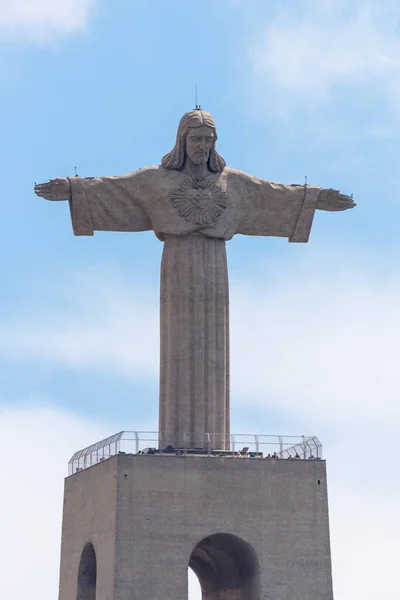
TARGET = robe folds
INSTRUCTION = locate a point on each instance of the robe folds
(194, 225)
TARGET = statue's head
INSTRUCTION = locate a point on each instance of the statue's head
(196, 139)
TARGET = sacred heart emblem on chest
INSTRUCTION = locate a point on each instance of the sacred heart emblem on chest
(199, 201)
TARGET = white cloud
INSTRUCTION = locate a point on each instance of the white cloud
(194, 586)
(314, 46)
(317, 340)
(36, 446)
(102, 326)
(365, 531)
(320, 340)
(43, 18)
(38, 441)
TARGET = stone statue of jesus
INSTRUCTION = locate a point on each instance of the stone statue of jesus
(194, 204)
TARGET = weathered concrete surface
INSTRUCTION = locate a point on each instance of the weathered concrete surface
(146, 514)
(193, 196)
(194, 352)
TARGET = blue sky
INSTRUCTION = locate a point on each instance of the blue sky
(296, 88)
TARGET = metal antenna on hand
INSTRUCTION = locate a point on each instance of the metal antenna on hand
(305, 188)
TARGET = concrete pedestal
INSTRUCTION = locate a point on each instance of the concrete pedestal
(251, 529)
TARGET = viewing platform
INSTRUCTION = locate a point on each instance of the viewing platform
(240, 445)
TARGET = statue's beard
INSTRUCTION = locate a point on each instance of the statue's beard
(199, 158)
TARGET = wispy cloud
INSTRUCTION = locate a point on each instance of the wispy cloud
(319, 337)
(321, 340)
(312, 49)
(328, 43)
(37, 443)
(113, 327)
(316, 339)
(43, 19)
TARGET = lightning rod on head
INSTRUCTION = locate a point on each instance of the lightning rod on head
(197, 106)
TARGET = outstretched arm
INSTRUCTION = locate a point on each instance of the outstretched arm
(320, 199)
(99, 204)
(284, 210)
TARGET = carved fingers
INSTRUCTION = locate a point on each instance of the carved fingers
(44, 190)
(344, 202)
(55, 189)
(333, 200)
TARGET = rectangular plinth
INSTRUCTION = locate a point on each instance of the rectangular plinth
(146, 514)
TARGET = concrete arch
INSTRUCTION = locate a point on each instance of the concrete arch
(227, 568)
(87, 574)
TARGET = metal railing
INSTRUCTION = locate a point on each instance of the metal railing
(240, 444)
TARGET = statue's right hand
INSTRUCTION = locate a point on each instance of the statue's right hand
(55, 189)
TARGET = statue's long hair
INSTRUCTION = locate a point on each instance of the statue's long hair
(176, 158)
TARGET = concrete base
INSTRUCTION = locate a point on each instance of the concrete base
(251, 529)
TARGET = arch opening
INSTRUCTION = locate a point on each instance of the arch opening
(226, 567)
(87, 574)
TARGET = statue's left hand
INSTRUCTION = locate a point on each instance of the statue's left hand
(333, 200)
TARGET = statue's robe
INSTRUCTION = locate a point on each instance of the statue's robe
(194, 371)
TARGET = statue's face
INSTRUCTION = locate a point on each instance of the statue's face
(199, 141)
